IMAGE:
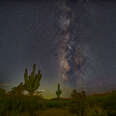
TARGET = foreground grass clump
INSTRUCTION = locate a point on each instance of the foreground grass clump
(35, 106)
(19, 104)
(56, 112)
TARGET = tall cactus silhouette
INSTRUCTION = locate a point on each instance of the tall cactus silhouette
(32, 81)
(58, 92)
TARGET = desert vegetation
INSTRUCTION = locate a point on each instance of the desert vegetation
(26, 100)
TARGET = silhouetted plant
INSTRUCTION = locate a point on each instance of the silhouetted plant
(95, 111)
(78, 95)
(32, 81)
(75, 95)
(2, 92)
(79, 103)
(83, 93)
(19, 90)
(58, 92)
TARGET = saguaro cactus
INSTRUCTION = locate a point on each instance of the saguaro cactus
(58, 92)
(32, 81)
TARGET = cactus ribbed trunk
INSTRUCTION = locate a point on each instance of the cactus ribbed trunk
(32, 81)
(58, 92)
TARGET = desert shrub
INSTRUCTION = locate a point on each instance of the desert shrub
(95, 111)
(77, 107)
(111, 113)
(18, 104)
(2, 93)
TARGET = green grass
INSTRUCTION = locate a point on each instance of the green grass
(94, 105)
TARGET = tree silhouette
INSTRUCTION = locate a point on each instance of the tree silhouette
(75, 94)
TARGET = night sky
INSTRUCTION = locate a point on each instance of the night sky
(30, 32)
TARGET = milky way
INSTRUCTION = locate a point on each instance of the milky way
(71, 57)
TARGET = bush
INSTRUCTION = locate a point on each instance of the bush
(95, 111)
